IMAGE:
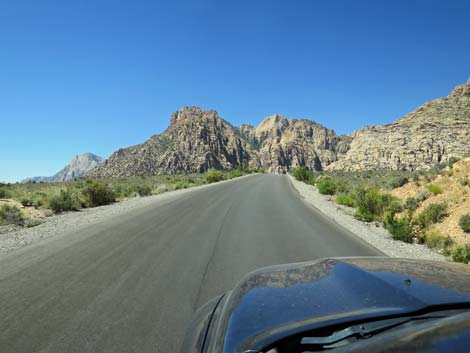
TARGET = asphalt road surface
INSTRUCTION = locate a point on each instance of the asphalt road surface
(132, 283)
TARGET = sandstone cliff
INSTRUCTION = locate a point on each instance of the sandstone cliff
(433, 133)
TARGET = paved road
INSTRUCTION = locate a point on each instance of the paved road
(131, 284)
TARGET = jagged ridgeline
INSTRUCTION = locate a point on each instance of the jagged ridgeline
(198, 140)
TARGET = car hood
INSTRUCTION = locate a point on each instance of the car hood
(276, 302)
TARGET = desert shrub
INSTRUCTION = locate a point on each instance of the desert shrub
(5, 194)
(345, 199)
(465, 181)
(214, 176)
(370, 203)
(434, 213)
(181, 185)
(39, 199)
(400, 228)
(461, 253)
(34, 223)
(464, 223)
(435, 189)
(66, 200)
(422, 196)
(235, 174)
(435, 240)
(98, 194)
(411, 204)
(10, 215)
(326, 186)
(27, 201)
(396, 181)
(143, 190)
(303, 174)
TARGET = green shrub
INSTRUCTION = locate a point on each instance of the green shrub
(66, 200)
(464, 223)
(27, 201)
(411, 204)
(214, 176)
(326, 186)
(434, 213)
(461, 253)
(235, 174)
(11, 215)
(435, 189)
(346, 200)
(371, 204)
(435, 240)
(34, 223)
(396, 182)
(303, 174)
(5, 194)
(422, 196)
(400, 228)
(98, 194)
(143, 190)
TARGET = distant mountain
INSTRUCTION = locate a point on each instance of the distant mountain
(77, 167)
(197, 140)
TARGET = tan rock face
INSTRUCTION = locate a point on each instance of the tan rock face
(197, 140)
(433, 133)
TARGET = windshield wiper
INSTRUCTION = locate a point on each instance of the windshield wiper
(366, 330)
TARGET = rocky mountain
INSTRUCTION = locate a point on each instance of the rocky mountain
(77, 167)
(197, 140)
(433, 133)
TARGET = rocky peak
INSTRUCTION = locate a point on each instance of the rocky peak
(461, 90)
(188, 114)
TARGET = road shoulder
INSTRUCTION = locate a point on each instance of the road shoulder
(372, 233)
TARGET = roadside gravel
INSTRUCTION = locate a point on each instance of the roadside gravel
(14, 237)
(373, 233)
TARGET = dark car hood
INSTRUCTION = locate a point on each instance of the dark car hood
(278, 301)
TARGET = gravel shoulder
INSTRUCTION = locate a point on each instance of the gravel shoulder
(372, 233)
(14, 237)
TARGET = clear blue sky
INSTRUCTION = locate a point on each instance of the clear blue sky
(94, 76)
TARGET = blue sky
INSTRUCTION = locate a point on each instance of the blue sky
(94, 76)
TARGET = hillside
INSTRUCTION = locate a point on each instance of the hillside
(433, 133)
(454, 192)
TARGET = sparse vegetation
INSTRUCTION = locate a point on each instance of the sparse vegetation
(10, 215)
(5, 193)
(434, 213)
(464, 223)
(435, 240)
(460, 253)
(396, 181)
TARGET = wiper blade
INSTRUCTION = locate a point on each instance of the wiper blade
(364, 330)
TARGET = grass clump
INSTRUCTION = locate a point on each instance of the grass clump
(326, 186)
(34, 223)
(303, 174)
(460, 253)
(66, 200)
(345, 199)
(214, 176)
(400, 227)
(11, 215)
(434, 188)
(435, 240)
(464, 223)
(97, 194)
